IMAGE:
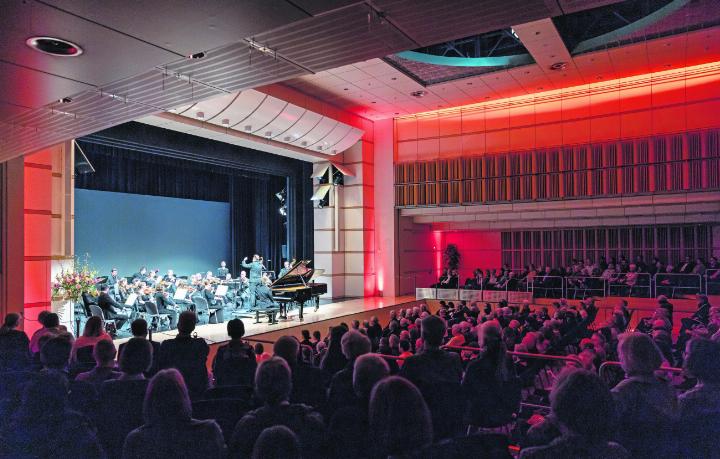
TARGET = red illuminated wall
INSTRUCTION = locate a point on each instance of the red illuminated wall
(38, 231)
(663, 102)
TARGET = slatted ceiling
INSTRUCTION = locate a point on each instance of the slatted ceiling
(25, 87)
(290, 115)
(264, 115)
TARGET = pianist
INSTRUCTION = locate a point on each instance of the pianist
(263, 295)
(286, 267)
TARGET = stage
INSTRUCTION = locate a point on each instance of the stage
(327, 315)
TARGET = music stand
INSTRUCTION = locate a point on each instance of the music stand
(221, 290)
(130, 301)
(180, 294)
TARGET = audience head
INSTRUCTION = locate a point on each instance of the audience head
(93, 327)
(277, 442)
(273, 381)
(55, 353)
(259, 348)
(139, 328)
(49, 320)
(288, 348)
(639, 355)
(399, 417)
(186, 322)
(166, 399)
(45, 394)
(236, 329)
(583, 405)
(354, 344)
(11, 322)
(305, 334)
(136, 356)
(368, 370)
(433, 330)
(701, 360)
(104, 353)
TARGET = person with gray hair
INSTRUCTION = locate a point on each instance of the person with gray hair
(348, 428)
(273, 385)
(353, 344)
(646, 404)
(309, 383)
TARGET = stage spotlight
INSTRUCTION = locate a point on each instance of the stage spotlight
(283, 211)
(281, 195)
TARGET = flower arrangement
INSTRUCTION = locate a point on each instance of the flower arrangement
(70, 284)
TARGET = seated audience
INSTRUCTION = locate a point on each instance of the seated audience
(334, 360)
(55, 354)
(234, 364)
(260, 354)
(490, 384)
(585, 414)
(437, 374)
(400, 423)
(646, 404)
(353, 344)
(309, 383)
(14, 345)
(273, 386)
(187, 354)
(92, 333)
(50, 326)
(277, 442)
(139, 329)
(169, 430)
(699, 417)
(43, 426)
(104, 355)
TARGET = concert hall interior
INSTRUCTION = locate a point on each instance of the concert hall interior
(511, 206)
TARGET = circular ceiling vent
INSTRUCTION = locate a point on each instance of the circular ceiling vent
(54, 46)
(559, 66)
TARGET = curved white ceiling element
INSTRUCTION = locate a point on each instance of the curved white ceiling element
(265, 116)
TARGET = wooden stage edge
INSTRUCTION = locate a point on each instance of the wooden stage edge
(328, 315)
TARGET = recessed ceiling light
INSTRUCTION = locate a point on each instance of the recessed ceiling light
(420, 93)
(54, 46)
(65, 100)
(199, 55)
(559, 66)
(393, 78)
(469, 83)
(345, 89)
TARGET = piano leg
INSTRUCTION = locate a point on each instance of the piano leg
(257, 316)
(317, 303)
(300, 315)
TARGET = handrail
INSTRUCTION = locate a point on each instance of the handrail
(258, 340)
(615, 283)
(611, 363)
(522, 355)
(678, 287)
(709, 273)
(540, 277)
(583, 279)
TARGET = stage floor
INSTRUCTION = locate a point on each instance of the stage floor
(217, 333)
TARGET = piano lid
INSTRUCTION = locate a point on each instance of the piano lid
(299, 274)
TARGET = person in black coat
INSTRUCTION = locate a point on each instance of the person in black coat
(165, 305)
(111, 308)
(187, 354)
(235, 363)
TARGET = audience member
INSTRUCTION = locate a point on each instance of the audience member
(169, 430)
(14, 344)
(234, 364)
(273, 386)
(353, 344)
(55, 354)
(92, 333)
(309, 383)
(139, 329)
(260, 354)
(583, 408)
(399, 420)
(50, 326)
(334, 360)
(104, 355)
(277, 442)
(187, 354)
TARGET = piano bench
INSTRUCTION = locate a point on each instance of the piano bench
(271, 315)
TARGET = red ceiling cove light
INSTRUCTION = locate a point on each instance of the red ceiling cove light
(54, 46)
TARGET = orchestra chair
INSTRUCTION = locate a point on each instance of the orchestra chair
(110, 326)
(157, 320)
(213, 314)
(87, 300)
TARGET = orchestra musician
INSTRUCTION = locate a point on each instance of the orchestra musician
(222, 271)
(256, 268)
(113, 280)
(112, 310)
(141, 275)
(170, 276)
(164, 304)
(244, 291)
(286, 267)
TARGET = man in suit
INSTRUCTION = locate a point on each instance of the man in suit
(222, 270)
(309, 383)
(141, 275)
(113, 278)
(256, 268)
(165, 305)
(187, 354)
(111, 308)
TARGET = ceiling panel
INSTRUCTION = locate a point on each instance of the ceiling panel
(188, 26)
(108, 55)
(24, 87)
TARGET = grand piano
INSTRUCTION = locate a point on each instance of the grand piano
(297, 287)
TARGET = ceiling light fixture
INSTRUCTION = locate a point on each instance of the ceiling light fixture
(54, 46)
(559, 66)
(418, 94)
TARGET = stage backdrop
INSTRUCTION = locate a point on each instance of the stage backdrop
(132, 230)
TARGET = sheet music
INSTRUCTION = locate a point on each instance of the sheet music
(130, 301)
(221, 290)
(180, 294)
